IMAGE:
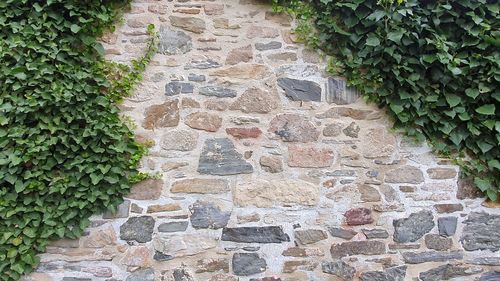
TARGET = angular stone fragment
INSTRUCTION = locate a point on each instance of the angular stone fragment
(414, 227)
(292, 266)
(438, 243)
(310, 156)
(265, 234)
(368, 193)
(441, 173)
(212, 265)
(300, 90)
(255, 100)
(375, 233)
(173, 42)
(219, 157)
(245, 264)
(337, 92)
(176, 88)
(347, 234)
(340, 269)
(352, 130)
(202, 63)
(262, 32)
(370, 247)
(390, 194)
(447, 226)
(481, 232)
(396, 273)
(147, 274)
(242, 54)
(273, 45)
(176, 226)
(196, 78)
(310, 236)
(181, 245)
(490, 276)
(406, 174)
(172, 207)
(201, 186)
(216, 91)
(356, 114)
(208, 215)
(448, 208)
(244, 133)
(358, 216)
(294, 128)
(271, 164)
(192, 24)
(303, 252)
(136, 256)
(243, 71)
(286, 56)
(204, 121)
(332, 130)
(99, 238)
(431, 256)
(180, 140)
(162, 115)
(139, 229)
(448, 271)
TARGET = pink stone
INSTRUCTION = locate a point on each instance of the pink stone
(244, 133)
(309, 156)
(358, 216)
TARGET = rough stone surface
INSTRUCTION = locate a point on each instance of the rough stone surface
(431, 256)
(309, 156)
(241, 54)
(192, 24)
(375, 233)
(181, 245)
(273, 45)
(244, 133)
(407, 174)
(219, 157)
(204, 121)
(371, 247)
(271, 164)
(358, 216)
(173, 226)
(340, 269)
(441, 173)
(293, 128)
(245, 264)
(342, 233)
(481, 232)
(142, 275)
(176, 88)
(310, 236)
(173, 42)
(255, 100)
(414, 227)
(162, 115)
(265, 234)
(390, 274)
(217, 91)
(208, 215)
(181, 140)
(202, 186)
(438, 243)
(300, 90)
(448, 271)
(139, 229)
(447, 226)
(490, 276)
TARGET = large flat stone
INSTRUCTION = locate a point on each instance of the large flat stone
(396, 273)
(369, 247)
(309, 236)
(206, 214)
(340, 269)
(431, 256)
(310, 156)
(448, 272)
(217, 91)
(300, 90)
(201, 186)
(294, 128)
(180, 140)
(219, 157)
(162, 115)
(173, 42)
(414, 227)
(139, 229)
(406, 174)
(176, 88)
(481, 232)
(245, 264)
(181, 245)
(255, 100)
(192, 24)
(149, 189)
(265, 234)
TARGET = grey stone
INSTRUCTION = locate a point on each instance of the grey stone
(245, 264)
(375, 233)
(490, 276)
(494, 261)
(352, 130)
(342, 233)
(202, 64)
(405, 174)
(208, 215)
(265, 234)
(196, 78)
(332, 130)
(75, 279)
(181, 140)
(367, 247)
(390, 194)
(182, 274)
(121, 212)
(300, 90)
(173, 42)
(216, 91)
(431, 256)
(481, 232)
(310, 236)
(219, 157)
(176, 88)
(342, 173)
(176, 226)
(447, 226)
(192, 24)
(159, 256)
(414, 227)
(436, 242)
(142, 275)
(139, 229)
(396, 273)
(337, 92)
(273, 45)
(340, 269)
(448, 271)
(293, 128)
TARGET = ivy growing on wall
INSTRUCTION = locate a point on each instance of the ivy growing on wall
(65, 153)
(433, 64)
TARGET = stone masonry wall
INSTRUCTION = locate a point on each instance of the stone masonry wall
(270, 169)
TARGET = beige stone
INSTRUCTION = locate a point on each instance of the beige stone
(192, 24)
(378, 143)
(201, 186)
(243, 71)
(183, 245)
(181, 140)
(217, 105)
(213, 9)
(149, 189)
(164, 208)
(162, 115)
(309, 156)
(254, 217)
(262, 32)
(204, 121)
(99, 238)
(241, 54)
(255, 100)
(169, 166)
(139, 256)
(441, 173)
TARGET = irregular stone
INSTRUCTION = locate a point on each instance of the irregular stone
(396, 273)
(369, 247)
(180, 140)
(201, 186)
(162, 115)
(352, 130)
(494, 261)
(222, 277)
(481, 232)
(303, 252)
(375, 233)
(347, 234)
(202, 63)
(380, 143)
(176, 88)
(447, 226)
(332, 130)
(265, 234)
(271, 164)
(147, 274)
(293, 128)
(244, 133)
(286, 56)
(241, 54)
(136, 256)
(441, 173)
(189, 103)
(192, 24)
(212, 9)
(219, 157)
(467, 189)
(212, 265)
(405, 174)
(164, 208)
(173, 42)
(245, 264)
(281, 192)
(216, 91)
(337, 92)
(300, 90)
(414, 227)
(368, 193)
(292, 266)
(404, 246)
(356, 114)
(253, 217)
(196, 78)
(100, 238)
(139, 229)
(358, 216)
(243, 71)
(390, 194)
(181, 274)
(159, 256)
(431, 256)
(176, 226)
(310, 236)
(448, 208)
(181, 245)
(255, 100)
(309, 156)
(262, 32)
(204, 121)
(490, 276)
(273, 45)
(217, 104)
(121, 211)
(340, 269)
(208, 215)
(244, 120)
(438, 243)
(224, 24)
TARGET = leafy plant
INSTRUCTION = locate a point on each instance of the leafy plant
(66, 153)
(434, 64)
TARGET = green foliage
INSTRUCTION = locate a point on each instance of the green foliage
(66, 154)
(434, 64)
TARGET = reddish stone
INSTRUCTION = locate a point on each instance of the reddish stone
(309, 156)
(244, 133)
(448, 208)
(358, 216)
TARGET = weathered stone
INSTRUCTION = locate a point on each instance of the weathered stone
(217, 104)
(368, 193)
(139, 229)
(347, 234)
(438, 243)
(332, 130)
(395, 207)
(356, 114)
(216, 91)
(441, 173)
(406, 174)
(192, 24)
(281, 192)
(414, 227)
(244, 133)
(189, 103)
(337, 92)
(202, 186)
(212, 9)
(253, 217)
(380, 143)
(219, 157)
(262, 32)
(181, 245)
(286, 56)
(255, 100)
(358, 216)
(303, 252)
(352, 130)
(265, 234)
(204, 121)
(390, 194)
(202, 63)
(340, 269)
(173, 42)
(139, 256)
(121, 211)
(300, 90)
(309, 156)
(196, 78)
(310, 236)
(176, 226)
(447, 226)
(245, 264)
(375, 233)
(404, 246)
(370, 247)
(243, 71)
(241, 54)
(181, 140)
(169, 166)
(490, 276)
(224, 24)
(494, 261)
(283, 19)
(431, 256)
(176, 88)
(162, 115)
(180, 274)
(293, 128)
(100, 238)
(467, 189)
(208, 215)
(292, 266)
(481, 232)
(212, 265)
(142, 275)
(271, 164)
(172, 207)
(222, 277)
(448, 208)
(273, 45)
(397, 273)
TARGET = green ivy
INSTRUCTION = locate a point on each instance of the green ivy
(66, 153)
(433, 64)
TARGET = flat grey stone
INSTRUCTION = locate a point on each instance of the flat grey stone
(216, 91)
(273, 45)
(139, 229)
(366, 247)
(245, 264)
(437, 242)
(121, 212)
(495, 261)
(173, 42)
(202, 64)
(196, 78)
(142, 275)
(176, 226)
(75, 279)
(337, 92)
(490, 276)
(448, 271)
(265, 234)
(414, 227)
(342, 233)
(159, 256)
(208, 215)
(447, 226)
(175, 88)
(219, 157)
(300, 90)
(396, 273)
(481, 232)
(181, 274)
(341, 173)
(340, 269)
(431, 256)
(375, 233)
(310, 236)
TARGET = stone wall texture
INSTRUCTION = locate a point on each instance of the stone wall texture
(270, 169)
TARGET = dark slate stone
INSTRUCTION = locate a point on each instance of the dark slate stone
(300, 90)
(176, 226)
(490, 276)
(447, 272)
(337, 92)
(367, 247)
(216, 91)
(142, 275)
(196, 78)
(265, 234)
(396, 273)
(173, 42)
(175, 88)
(208, 215)
(375, 233)
(245, 264)
(273, 45)
(181, 274)
(159, 256)
(139, 229)
(447, 226)
(431, 256)
(414, 227)
(481, 232)
(342, 233)
(340, 269)
(75, 279)
(219, 157)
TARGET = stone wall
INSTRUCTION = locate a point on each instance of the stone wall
(270, 169)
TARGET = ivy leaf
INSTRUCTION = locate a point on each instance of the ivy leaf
(471, 92)
(453, 100)
(487, 109)
(395, 36)
(99, 48)
(482, 184)
(372, 41)
(396, 108)
(75, 28)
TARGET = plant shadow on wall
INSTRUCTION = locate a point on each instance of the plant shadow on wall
(433, 64)
(66, 153)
